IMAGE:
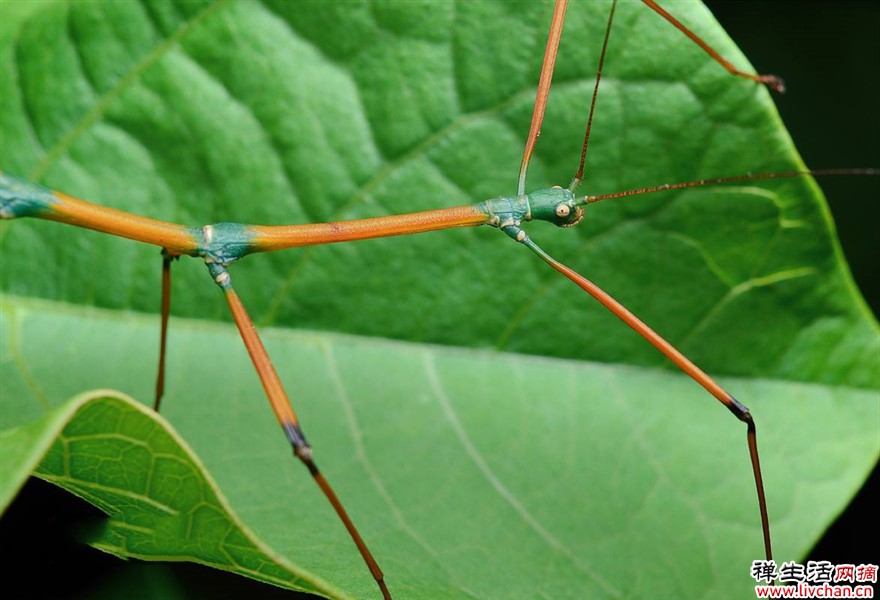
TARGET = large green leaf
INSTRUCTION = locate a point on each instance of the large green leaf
(124, 458)
(595, 473)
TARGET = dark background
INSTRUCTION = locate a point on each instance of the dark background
(829, 55)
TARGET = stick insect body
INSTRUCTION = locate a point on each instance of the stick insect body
(224, 243)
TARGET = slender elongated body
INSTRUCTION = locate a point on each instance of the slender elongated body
(228, 242)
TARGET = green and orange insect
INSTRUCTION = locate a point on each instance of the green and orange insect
(222, 244)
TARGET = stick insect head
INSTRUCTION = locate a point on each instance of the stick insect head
(555, 205)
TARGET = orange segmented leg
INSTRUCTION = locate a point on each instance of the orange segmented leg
(681, 361)
(284, 413)
(772, 81)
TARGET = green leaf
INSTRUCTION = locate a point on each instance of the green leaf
(597, 472)
(469, 471)
(125, 459)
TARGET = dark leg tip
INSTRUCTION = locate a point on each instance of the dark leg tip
(740, 410)
(774, 83)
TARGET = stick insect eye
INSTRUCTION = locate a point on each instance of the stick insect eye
(563, 210)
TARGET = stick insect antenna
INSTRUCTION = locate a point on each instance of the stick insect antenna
(579, 176)
(543, 92)
(286, 417)
(721, 180)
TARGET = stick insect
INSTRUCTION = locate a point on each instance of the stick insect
(430, 156)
